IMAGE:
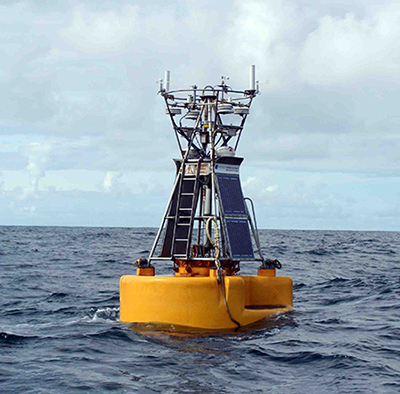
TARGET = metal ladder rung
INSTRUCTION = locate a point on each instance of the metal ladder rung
(180, 217)
(189, 183)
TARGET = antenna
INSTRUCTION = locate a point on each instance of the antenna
(167, 80)
(160, 85)
(224, 79)
(253, 77)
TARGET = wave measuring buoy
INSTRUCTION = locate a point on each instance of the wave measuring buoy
(209, 228)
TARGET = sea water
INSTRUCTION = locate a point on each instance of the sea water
(59, 328)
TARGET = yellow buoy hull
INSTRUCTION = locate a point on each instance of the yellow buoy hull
(199, 302)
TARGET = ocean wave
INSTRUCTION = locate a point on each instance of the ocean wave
(107, 314)
(56, 296)
(340, 282)
(335, 361)
(14, 339)
(60, 323)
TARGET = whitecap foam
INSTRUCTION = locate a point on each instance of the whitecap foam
(104, 315)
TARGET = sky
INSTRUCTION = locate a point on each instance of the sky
(84, 139)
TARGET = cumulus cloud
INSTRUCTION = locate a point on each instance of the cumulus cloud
(263, 33)
(38, 155)
(79, 93)
(109, 30)
(351, 48)
(110, 180)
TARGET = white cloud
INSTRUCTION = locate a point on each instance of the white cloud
(110, 180)
(351, 48)
(80, 106)
(264, 33)
(252, 180)
(272, 188)
(38, 155)
(109, 30)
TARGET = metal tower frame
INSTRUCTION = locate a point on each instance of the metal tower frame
(207, 183)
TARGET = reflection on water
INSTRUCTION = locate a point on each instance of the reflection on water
(190, 339)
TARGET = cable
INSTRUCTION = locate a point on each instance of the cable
(216, 244)
(220, 275)
(226, 304)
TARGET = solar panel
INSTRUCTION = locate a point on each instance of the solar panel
(231, 195)
(234, 214)
(239, 238)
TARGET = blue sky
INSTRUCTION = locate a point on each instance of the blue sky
(84, 139)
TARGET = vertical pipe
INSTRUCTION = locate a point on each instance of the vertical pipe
(201, 193)
(213, 159)
(194, 95)
(207, 202)
(253, 77)
(167, 80)
(206, 211)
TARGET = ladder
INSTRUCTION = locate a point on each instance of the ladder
(181, 213)
(186, 210)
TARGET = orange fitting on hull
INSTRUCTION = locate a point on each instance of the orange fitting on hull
(266, 272)
(230, 271)
(190, 268)
(145, 271)
(192, 271)
(213, 273)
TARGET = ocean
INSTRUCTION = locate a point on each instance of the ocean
(60, 333)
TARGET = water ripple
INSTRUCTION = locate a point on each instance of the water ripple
(59, 311)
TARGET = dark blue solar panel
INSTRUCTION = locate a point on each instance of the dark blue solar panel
(239, 238)
(231, 194)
